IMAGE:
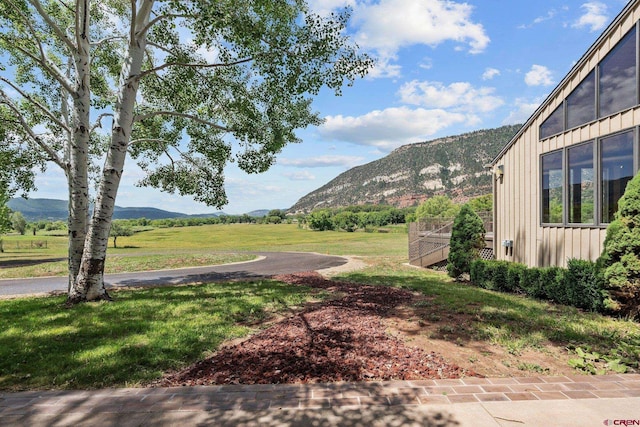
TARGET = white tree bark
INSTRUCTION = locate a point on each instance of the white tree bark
(89, 284)
(77, 169)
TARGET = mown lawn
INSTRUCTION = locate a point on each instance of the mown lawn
(194, 246)
(134, 340)
(147, 332)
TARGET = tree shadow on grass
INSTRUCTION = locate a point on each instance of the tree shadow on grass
(14, 263)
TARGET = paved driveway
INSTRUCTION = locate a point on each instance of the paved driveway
(268, 264)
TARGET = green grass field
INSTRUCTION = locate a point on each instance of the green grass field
(147, 332)
(203, 245)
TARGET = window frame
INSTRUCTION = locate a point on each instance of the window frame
(597, 164)
(562, 180)
(567, 183)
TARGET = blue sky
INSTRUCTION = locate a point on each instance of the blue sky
(444, 67)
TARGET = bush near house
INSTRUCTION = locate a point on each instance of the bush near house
(577, 285)
(619, 264)
(467, 239)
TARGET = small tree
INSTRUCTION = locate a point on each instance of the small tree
(482, 203)
(437, 207)
(320, 220)
(346, 220)
(18, 222)
(467, 239)
(619, 264)
(118, 229)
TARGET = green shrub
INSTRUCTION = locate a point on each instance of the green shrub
(499, 275)
(619, 263)
(584, 287)
(480, 273)
(467, 239)
(532, 284)
(553, 284)
(515, 273)
(577, 285)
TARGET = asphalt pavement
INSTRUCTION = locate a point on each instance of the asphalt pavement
(266, 265)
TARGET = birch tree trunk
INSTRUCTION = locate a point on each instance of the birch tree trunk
(89, 284)
(77, 167)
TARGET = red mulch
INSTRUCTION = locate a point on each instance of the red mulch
(337, 340)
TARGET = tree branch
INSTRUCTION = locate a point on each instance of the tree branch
(51, 68)
(52, 25)
(25, 126)
(41, 107)
(139, 118)
(98, 123)
(180, 64)
(141, 140)
(34, 33)
(159, 18)
(106, 39)
(134, 16)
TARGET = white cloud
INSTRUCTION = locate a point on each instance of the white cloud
(595, 16)
(490, 73)
(389, 25)
(390, 128)
(539, 75)
(384, 68)
(325, 7)
(300, 176)
(459, 96)
(322, 161)
(523, 110)
(540, 19)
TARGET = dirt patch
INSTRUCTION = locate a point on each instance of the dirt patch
(451, 334)
(344, 339)
(366, 333)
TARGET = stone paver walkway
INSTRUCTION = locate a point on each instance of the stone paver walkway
(139, 406)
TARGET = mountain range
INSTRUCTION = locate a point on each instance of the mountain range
(454, 166)
(53, 209)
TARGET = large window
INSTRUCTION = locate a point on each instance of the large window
(617, 77)
(613, 89)
(581, 103)
(582, 184)
(616, 169)
(552, 188)
(553, 124)
(581, 188)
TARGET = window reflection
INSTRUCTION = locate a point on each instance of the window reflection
(581, 189)
(552, 188)
(553, 124)
(581, 103)
(616, 166)
(617, 89)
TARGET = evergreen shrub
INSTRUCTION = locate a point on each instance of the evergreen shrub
(467, 239)
(619, 263)
(584, 287)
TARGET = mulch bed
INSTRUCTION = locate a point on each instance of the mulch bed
(342, 339)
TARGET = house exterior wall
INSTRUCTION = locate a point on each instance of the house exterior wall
(517, 193)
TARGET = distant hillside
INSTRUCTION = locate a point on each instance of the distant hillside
(52, 209)
(453, 166)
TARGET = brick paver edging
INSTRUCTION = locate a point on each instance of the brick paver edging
(291, 396)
